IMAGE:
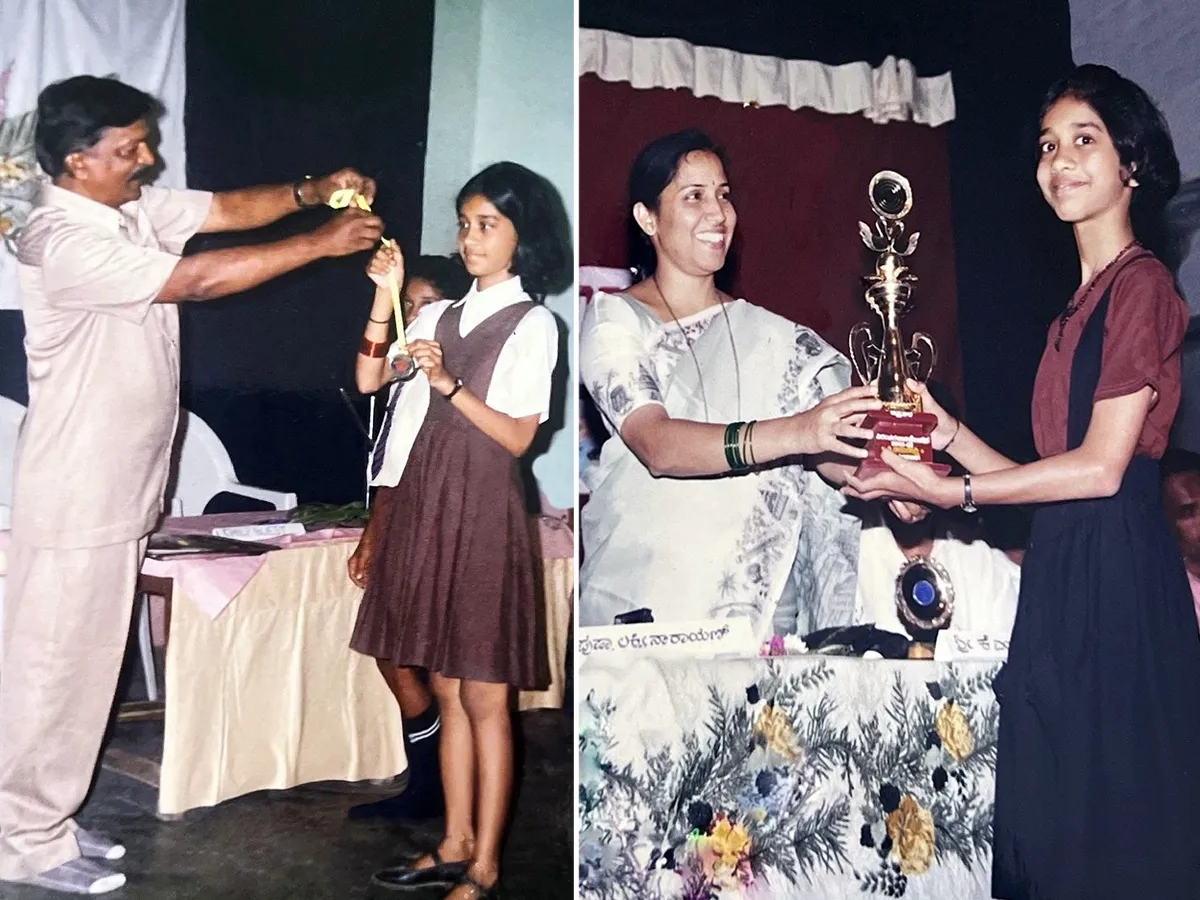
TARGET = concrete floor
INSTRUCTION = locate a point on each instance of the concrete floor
(298, 843)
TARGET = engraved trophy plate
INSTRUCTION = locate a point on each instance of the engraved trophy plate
(901, 426)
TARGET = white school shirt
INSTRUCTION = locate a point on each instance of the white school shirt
(520, 383)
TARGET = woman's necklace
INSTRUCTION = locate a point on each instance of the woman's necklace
(737, 369)
(1075, 306)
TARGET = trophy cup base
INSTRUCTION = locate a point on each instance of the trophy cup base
(905, 433)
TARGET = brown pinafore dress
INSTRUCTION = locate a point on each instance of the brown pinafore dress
(453, 586)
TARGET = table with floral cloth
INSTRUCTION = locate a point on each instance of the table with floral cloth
(786, 777)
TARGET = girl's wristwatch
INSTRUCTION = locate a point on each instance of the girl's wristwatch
(458, 383)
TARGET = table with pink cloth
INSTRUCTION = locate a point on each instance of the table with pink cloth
(262, 689)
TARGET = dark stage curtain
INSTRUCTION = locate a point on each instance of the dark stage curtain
(277, 91)
(12, 356)
(800, 187)
(1016, 262)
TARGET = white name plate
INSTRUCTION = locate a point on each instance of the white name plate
(954, 646)
(702, 638)
(258, 532)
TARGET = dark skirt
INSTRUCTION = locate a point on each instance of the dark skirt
(454, 585)
(1098, 766)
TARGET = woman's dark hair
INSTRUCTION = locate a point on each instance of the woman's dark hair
(73, 114)
(1138, 131)
(446, 273)
(653, 169)
(530, 202)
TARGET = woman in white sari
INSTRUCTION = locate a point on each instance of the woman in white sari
(711, 500)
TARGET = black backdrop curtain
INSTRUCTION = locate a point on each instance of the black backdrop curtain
(275, 92)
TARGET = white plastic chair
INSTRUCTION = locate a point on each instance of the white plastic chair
(203, 469)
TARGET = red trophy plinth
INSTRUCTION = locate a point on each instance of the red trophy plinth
(906, 434)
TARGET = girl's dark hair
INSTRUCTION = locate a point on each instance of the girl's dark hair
(653, 169)
(446, 273)
(1138, 131)
(530, 202)
(73, 114)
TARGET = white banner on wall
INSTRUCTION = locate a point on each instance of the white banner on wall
(139, 41)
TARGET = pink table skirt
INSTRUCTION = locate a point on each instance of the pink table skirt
(213, 581)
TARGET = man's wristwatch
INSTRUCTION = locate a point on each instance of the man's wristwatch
(458, 383)
(968, 504)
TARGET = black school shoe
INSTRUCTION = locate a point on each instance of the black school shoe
(406, 878)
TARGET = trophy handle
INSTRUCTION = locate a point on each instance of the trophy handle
(922, 356)
(864, 353)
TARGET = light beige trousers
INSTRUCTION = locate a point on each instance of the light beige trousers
(66, 624)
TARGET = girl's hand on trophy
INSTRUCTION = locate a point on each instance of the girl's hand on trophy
(907, 480)
(428, 356)
(835, 420)
(947, 425)
(387, 258)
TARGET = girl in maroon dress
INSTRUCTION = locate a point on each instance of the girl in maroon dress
(453, 583)
(1097, 773)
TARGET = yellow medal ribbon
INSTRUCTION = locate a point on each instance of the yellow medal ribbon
(346, 197)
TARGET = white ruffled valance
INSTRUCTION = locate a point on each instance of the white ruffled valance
(892, 92)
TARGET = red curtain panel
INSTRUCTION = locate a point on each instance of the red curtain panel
(800, 186)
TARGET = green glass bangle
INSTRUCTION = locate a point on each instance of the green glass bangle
(733, 456)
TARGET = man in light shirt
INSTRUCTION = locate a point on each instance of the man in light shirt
(100, 273)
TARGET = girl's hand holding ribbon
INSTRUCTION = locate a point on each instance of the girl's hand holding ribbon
(428, 357)
(387, 260)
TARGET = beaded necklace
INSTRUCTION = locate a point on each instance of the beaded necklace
(1075, 306)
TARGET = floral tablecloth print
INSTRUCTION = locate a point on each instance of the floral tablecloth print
(792, 777)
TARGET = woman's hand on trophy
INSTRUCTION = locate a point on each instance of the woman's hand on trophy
(831, 423)
(908, 511)
(387, 258)
(428, 357)
(905, 480)
(947, 425)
